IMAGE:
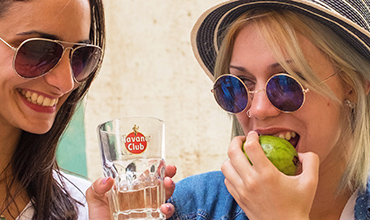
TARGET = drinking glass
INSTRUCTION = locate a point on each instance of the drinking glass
(133, 154)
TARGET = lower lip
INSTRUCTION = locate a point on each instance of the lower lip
(38, 108)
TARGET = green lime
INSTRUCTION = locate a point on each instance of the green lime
(280, 152)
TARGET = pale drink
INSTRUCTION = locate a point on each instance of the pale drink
(138, 192)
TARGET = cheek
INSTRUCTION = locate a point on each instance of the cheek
(244, 121)
(6, 63)
(324, 127)
(62, 100)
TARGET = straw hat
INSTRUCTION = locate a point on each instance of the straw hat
(349, 18)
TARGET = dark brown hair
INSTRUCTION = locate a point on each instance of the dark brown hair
(34, 160)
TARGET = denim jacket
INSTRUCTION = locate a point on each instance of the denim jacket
(205, 196)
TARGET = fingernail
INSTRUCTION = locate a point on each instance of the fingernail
(251, 132)
(168, 207)
(104, 181)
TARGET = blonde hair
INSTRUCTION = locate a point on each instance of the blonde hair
(280, 29)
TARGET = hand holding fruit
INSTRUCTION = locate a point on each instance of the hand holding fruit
(280, 152)
(261, 190)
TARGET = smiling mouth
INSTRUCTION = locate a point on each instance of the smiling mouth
(38, 99)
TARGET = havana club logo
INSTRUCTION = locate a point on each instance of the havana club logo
(135, 141)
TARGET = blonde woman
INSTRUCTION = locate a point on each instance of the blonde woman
(298, 69)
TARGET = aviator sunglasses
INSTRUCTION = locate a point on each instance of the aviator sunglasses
(283, 91)
(35, 57)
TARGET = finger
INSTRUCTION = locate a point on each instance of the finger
(231, 175)
(170, 170)
(168, 209)
(254, 151)
(233, 192)
(99, 188)
(169, 186)
(97, 200)
(251, 145)
(310, 164)
(235, 152)
(237, 157)
(238, 164)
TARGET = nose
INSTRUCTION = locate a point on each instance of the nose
(61, 75)
(261, 107)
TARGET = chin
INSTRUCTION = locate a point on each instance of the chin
(38, 129)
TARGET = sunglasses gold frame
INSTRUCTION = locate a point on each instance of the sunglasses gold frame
(251, 93)
(61, 43)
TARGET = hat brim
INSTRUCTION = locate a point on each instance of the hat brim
(207, 32)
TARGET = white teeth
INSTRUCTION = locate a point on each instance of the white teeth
(293, 134)
(34, 98)
(38, 99)
(46, 102)
(28, 94)
(287, 135)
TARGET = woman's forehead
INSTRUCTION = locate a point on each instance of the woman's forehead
(69, 19)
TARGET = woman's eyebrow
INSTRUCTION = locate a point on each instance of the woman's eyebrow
(270, 67)
(41, 34)
(239, 68)
(278, 65)
(48, 36)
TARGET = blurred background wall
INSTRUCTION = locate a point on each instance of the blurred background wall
(149, 69)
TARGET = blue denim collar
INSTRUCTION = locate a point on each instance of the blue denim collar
(362, 207)
(205, 197)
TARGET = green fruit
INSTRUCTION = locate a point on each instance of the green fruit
(280, 152)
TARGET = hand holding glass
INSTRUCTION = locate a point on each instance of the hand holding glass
(133, 154)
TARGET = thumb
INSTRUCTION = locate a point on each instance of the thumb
(97, 200)
(168, 209)
(310, 166)
(98, 189)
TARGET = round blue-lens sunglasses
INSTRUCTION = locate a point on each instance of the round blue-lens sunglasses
(283, 91)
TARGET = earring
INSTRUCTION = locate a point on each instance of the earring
(350, 104)
(248, 113)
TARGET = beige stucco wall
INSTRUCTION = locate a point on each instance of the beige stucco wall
(149, 69)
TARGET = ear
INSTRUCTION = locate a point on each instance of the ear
(367, 87)
(349, 93)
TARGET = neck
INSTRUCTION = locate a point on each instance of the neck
(8, 143)
(12, 207)
(10, 191)
(329, 202)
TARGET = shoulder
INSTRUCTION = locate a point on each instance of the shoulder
(204, 196)
(75, 184)
(76, 187)
(200, 188)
